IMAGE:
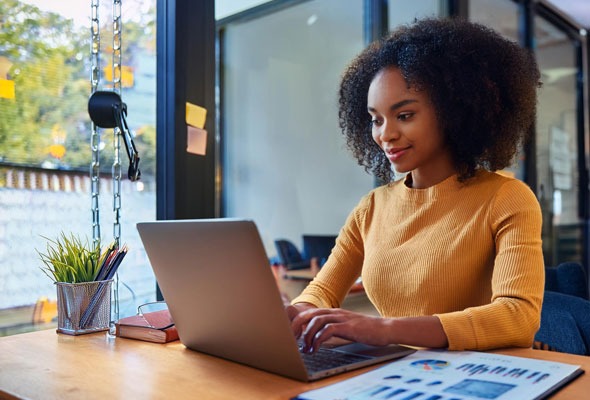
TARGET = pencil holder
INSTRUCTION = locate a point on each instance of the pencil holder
(83, 307)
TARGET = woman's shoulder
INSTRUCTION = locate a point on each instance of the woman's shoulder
(508, 192)
(499, 182)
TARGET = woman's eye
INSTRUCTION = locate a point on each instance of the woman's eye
(375, 122)
(405, 116)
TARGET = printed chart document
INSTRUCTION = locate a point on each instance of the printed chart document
(446, 375)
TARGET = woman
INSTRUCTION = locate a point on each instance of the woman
(451, 254)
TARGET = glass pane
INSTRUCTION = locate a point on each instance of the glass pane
(45, 147)
(285, 165)
(557, 150)
(502, 16)
(403, 12)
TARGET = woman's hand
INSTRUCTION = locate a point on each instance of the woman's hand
(296, 309)
(316, 325)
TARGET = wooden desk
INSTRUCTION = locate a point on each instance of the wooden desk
(45, 365)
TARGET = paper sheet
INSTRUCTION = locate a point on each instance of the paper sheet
(446, 375)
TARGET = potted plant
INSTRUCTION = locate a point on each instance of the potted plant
(68, 259)
(78, 270)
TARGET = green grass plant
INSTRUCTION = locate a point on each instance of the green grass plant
(69, 259)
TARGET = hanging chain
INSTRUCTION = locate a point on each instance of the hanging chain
(116, 172)
(117, 143)
(95, 134)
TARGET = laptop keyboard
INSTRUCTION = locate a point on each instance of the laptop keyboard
(324, 359)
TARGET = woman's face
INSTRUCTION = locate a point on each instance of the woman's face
(405, 127)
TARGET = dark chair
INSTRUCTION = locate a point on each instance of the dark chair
(289, 255)
(318, 246)
(565, 315)
(565, 324)
(568, 278)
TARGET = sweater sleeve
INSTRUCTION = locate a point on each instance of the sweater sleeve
(329, 288)
(513, 316)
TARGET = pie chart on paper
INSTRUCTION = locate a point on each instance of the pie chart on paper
(430, 365)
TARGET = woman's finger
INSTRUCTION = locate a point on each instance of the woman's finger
(322, 326)
(304, 317)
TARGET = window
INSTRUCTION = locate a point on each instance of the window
(405, 12)
(45, 145)
(285, 164)
(502, 16)
(557, 144)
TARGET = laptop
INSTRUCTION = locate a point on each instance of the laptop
(216, 279)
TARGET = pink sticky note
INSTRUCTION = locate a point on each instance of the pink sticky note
(196, 140)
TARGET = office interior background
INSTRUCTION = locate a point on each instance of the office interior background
(267, 72)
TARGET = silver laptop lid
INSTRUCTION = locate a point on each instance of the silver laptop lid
(215, 276)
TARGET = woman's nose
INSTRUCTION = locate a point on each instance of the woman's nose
(388, 132)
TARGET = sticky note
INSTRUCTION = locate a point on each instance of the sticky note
(196, 140)
(195, 115)
(7, 89)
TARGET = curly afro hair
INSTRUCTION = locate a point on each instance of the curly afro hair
(483, 88)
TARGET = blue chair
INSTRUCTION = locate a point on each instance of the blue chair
(565, 324)
(565, 315)
(290, 256)
(568, 278)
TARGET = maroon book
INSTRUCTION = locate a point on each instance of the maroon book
(155, 327)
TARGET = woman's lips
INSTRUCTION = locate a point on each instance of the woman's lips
(395, 153)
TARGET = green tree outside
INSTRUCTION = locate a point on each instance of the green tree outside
(47, 123)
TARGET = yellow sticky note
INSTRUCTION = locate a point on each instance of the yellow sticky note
(127, 75)
(196, 140)
(195, 115)
(6, 89)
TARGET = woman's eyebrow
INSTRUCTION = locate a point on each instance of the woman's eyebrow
(395, 106)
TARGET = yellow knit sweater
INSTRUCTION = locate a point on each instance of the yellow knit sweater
(469, 253)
